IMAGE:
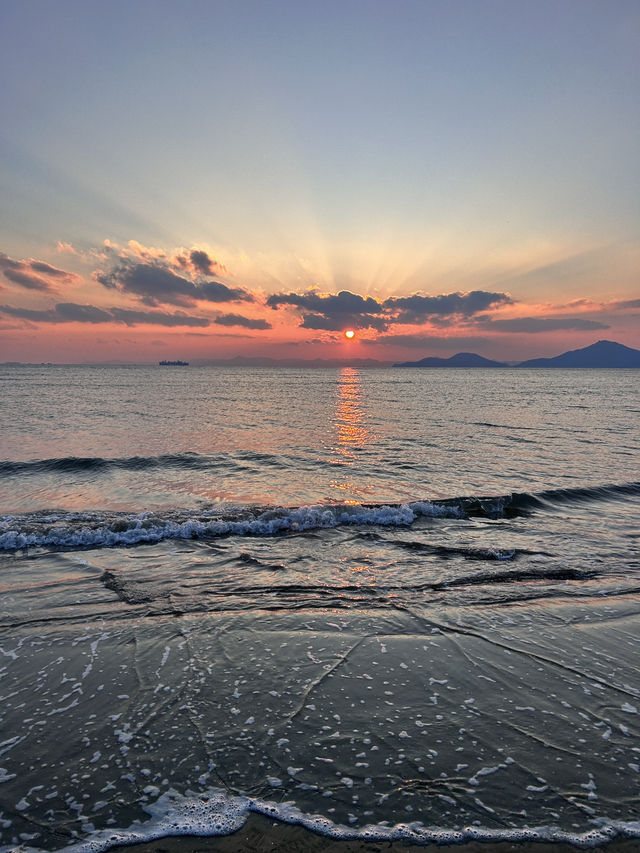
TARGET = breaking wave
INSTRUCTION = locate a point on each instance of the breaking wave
(97, 529)
(60, 529)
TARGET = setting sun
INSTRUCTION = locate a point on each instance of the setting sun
(349, 334)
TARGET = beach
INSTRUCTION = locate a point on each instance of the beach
(403, 648)
(260, 835)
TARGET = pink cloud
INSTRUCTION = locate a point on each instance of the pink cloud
(33, 274)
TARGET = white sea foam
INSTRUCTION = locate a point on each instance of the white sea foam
(90, 530)
(216, 813)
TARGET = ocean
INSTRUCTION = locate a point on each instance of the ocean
(383, 604)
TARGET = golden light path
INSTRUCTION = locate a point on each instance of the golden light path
(352, 435)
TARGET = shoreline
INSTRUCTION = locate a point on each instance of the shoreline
(261, 834)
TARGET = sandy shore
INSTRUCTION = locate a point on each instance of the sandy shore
(261, 834)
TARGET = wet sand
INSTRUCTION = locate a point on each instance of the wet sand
(260, 835)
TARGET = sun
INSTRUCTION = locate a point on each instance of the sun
(349, 333)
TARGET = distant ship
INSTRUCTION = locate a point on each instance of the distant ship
(173, 363)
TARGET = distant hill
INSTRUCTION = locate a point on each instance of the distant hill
(460, 359)
(600, 354)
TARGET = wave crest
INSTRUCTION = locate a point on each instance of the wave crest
(59, 529)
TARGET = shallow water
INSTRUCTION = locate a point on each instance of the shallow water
(382, 604)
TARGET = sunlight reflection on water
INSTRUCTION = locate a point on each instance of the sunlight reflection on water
(351, 430)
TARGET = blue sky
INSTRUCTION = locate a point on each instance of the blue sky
(380, 148)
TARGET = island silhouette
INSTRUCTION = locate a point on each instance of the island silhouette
(600, 354)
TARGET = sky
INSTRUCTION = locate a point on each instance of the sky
(205, 179)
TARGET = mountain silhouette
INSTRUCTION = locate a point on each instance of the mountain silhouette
(600, 354)
(460, 359)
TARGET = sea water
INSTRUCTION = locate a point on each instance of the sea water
(382, 604)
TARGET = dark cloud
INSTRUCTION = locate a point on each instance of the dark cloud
(31, 314)
(344, 309)
(29, 280)
(238, 320)
(156, 318)
(337, 322)
(7, 263)
(417, 309)
(198, 262)
(47, 269)
(213, 291)
(333, 311)
(542, 324)
(326, 304)
(154, 284)
(32, 274)
(70, 312)
(201, 261)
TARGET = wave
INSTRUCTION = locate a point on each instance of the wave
(447, 551)
(523, 503)
(60, 529)
(96, 529)
(518, 576)
(94, 464)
